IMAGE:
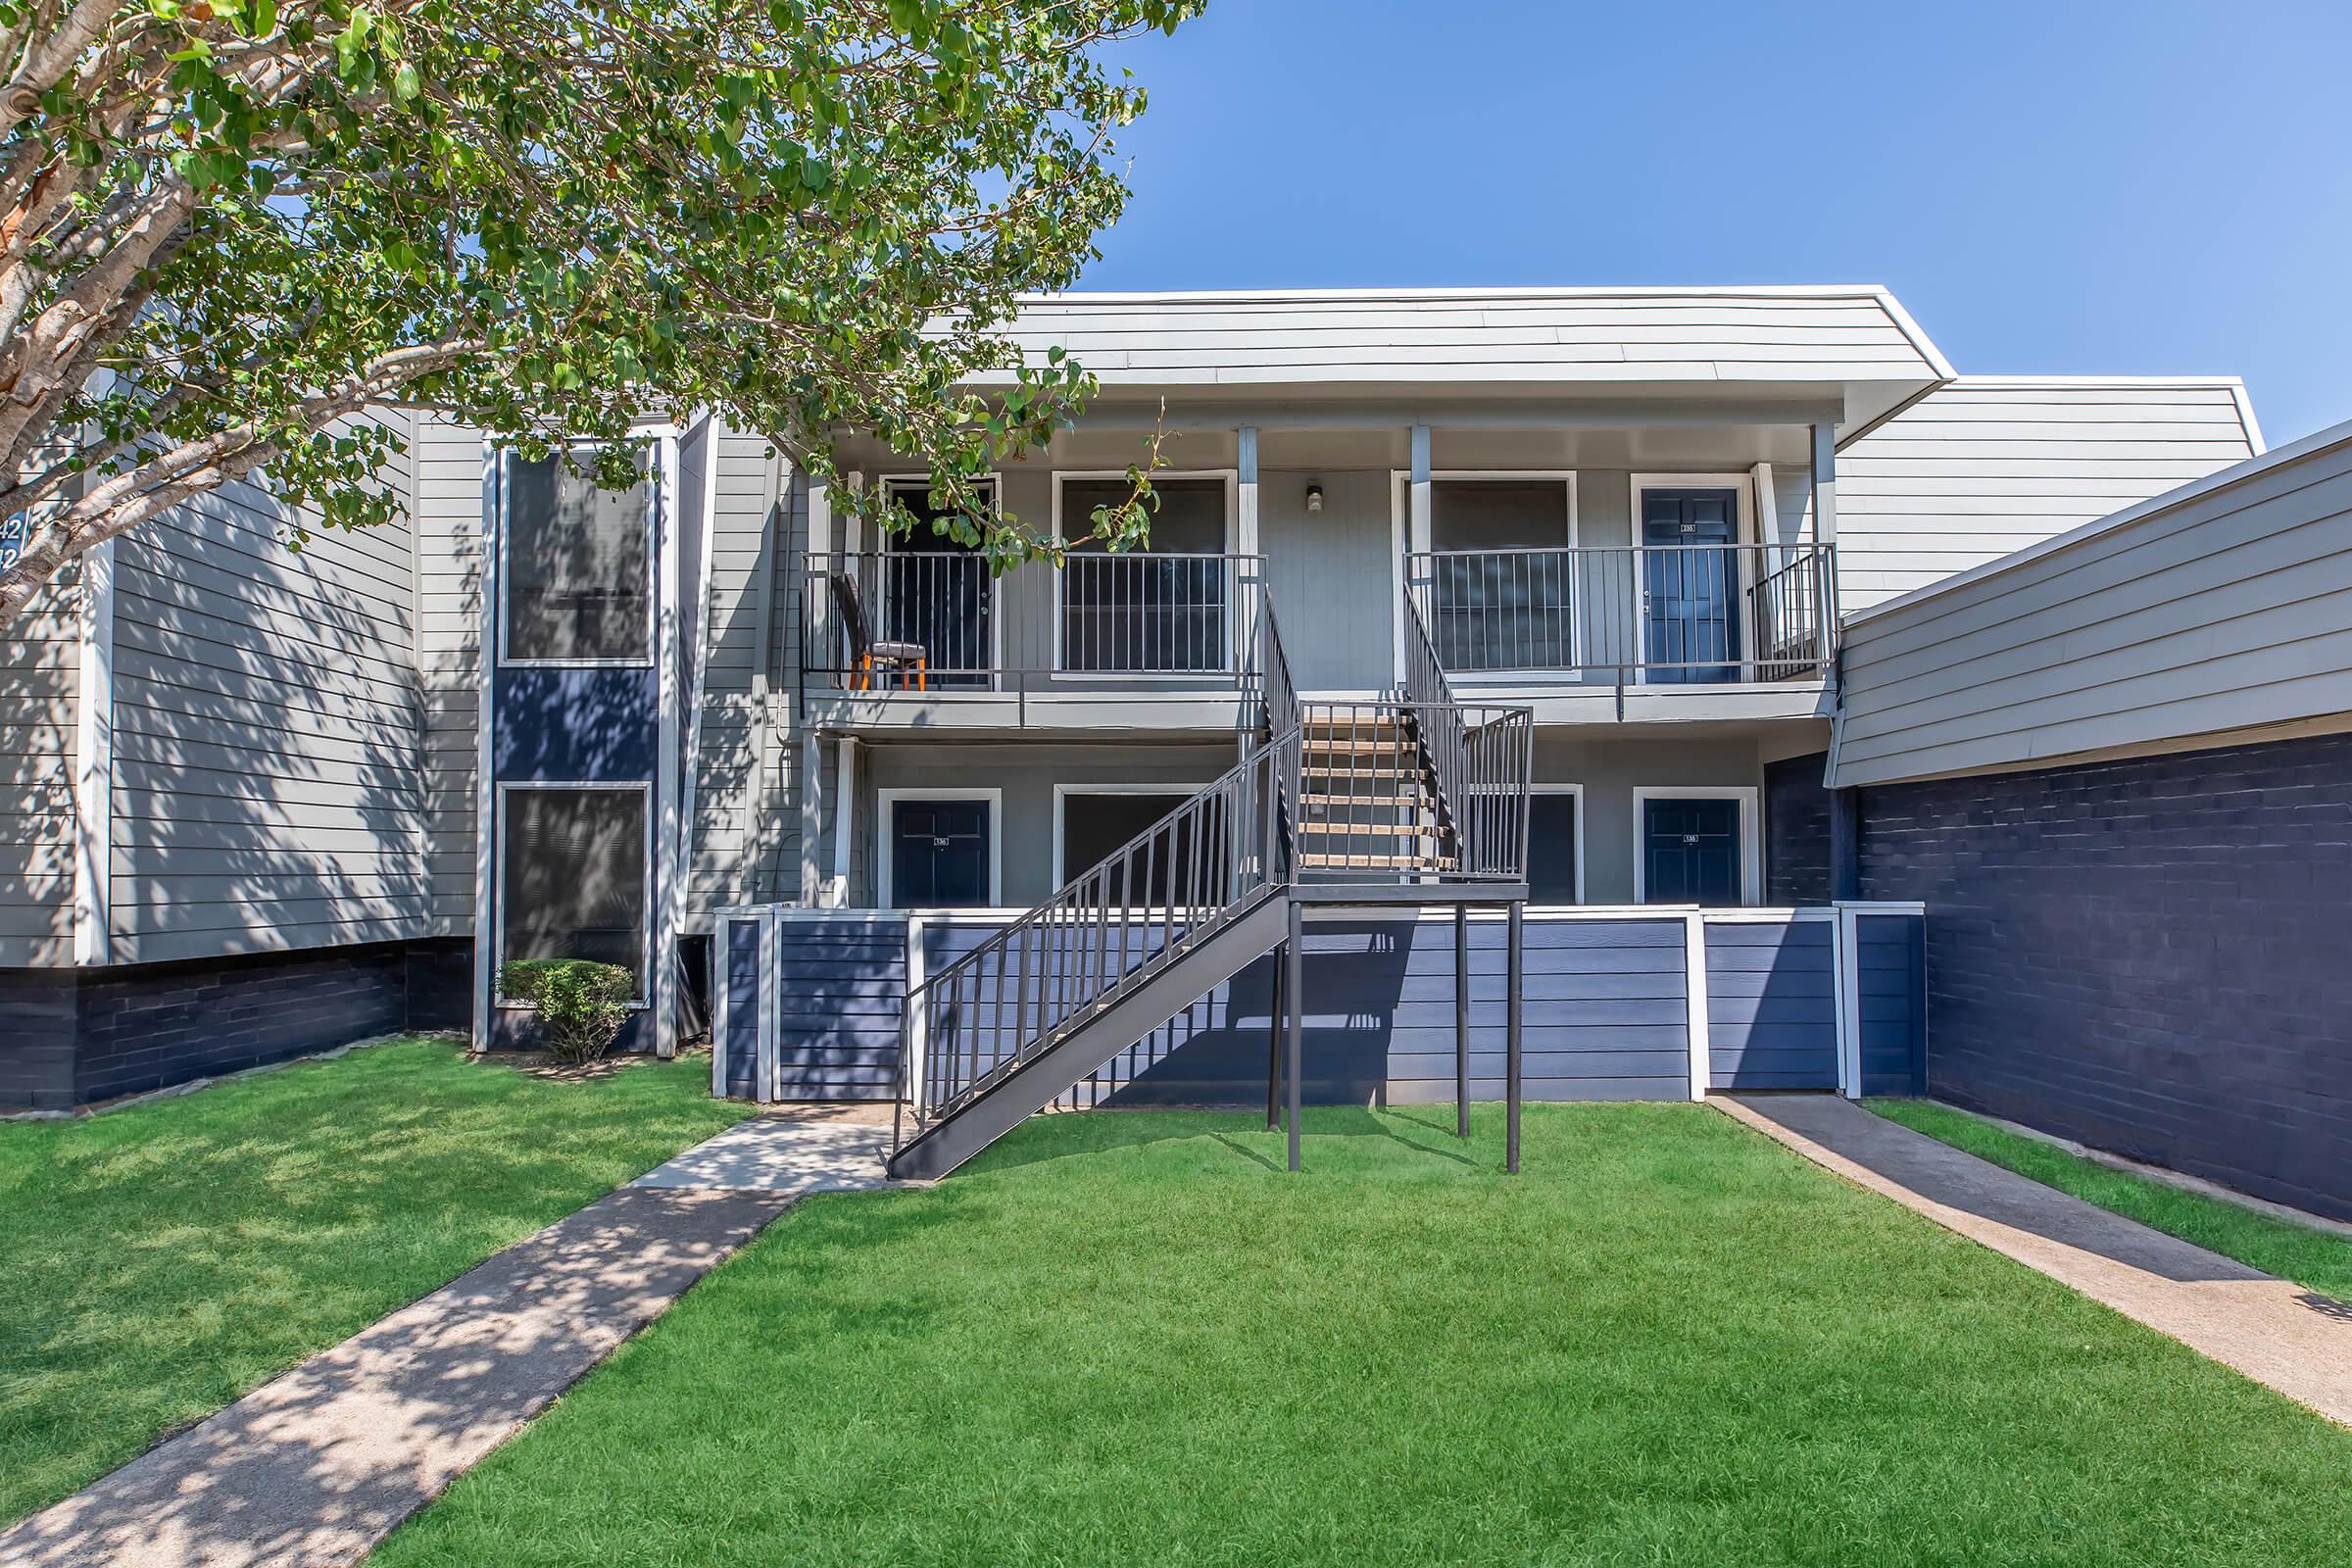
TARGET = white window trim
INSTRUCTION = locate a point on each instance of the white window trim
(1578, 790)
(1743, 513)
(1751, 845)
(1062, 792)
(498, 922)
(1233, 617)
(1416, 542)
(884, 830)
(856, 543)
(662, 437)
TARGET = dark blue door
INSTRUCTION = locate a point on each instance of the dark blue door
(939, 854)
(1690, 851)
(1690, 584)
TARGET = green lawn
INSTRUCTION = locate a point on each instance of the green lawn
(2311, 1258)
(163, 1260)
(1130, 1337)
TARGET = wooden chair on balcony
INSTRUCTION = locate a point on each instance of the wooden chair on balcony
(897, 661)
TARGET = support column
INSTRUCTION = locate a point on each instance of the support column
(845, 811)
(1416, 529)
(1293, 986)
(1825, 484)
(1245, 544)
(1275, 1024)
(1511, 1039)
(1461, 1021)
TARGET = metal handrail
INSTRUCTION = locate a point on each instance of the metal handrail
(1733, 613)
(1125, 613)
(1120, 921)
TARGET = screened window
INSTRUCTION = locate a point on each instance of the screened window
(1502, 586)
(575, 879)
(579, 568)
(1161, 610)
(1551, 848)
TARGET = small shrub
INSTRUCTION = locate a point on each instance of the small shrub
(581, 1005)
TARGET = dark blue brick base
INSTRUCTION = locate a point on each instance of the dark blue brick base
(2152, 957)
(74, 1037)
(1796, 831)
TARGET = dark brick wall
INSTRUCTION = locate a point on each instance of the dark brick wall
(71, 1037)
(37, 1039)
(2154, 957)
(1796, 831)
(146, 1026)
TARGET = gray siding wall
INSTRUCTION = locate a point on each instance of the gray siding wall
(1334, 575)
(268, 724)
(447, 462)
(2147, 954)
(739, 805)
(1985, 466)
(1772, 1006)
(40, 670)
(2228, 608)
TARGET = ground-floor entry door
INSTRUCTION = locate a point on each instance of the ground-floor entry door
(1690, 851)
(939, 854)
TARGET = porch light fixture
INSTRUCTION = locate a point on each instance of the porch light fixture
(1314, 497)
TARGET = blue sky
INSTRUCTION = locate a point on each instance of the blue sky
(2055, 188)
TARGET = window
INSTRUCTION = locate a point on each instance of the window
(573, 880)
(1502, 580)
(578, 569)
(1555, 841)
(1155, 610)
(1096, 822)
(936, 592)
(939, 849)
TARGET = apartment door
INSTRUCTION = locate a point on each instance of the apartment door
(1689, 585)
(939, 854)
(1690, 851)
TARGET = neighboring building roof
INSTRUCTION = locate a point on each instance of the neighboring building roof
(1855, 336)
(1987, 464)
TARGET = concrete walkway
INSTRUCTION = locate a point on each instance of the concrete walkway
(2276, 1333)
(314, 1469)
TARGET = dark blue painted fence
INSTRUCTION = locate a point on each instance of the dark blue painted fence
(1772, 1004)
(843, 979)
(741, 978)
(1891, 964)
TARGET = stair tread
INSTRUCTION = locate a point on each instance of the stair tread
(1389, 830)
(1316, 860)
(1403, 798)
(1392, 748)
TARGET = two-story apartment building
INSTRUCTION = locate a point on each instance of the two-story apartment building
(536, 719)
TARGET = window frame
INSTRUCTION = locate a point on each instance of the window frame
(1411, 542)
(498, 1001)
(1577, 839)
(1752, 844)
(658, 442)
(1234, 633)
(886, 831)
(1064, 792)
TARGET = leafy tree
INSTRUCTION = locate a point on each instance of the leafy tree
(228, 228)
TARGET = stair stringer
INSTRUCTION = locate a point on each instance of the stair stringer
(1084, 1048)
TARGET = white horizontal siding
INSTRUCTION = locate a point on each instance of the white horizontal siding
(729, 801)
(1984, 466)
(268, 729)
(1474, 336)
(2225, 609)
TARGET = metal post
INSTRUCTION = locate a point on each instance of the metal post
(1274, 1028)
(1293, 989)
(1461, 1021)
(1511, 1042)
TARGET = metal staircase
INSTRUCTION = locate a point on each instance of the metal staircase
(1407, 801)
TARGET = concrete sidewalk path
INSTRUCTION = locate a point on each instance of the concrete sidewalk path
(314, 1469)
(2274, 1332)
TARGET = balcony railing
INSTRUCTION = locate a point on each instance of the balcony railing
(935, 621)
(1653, 613)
